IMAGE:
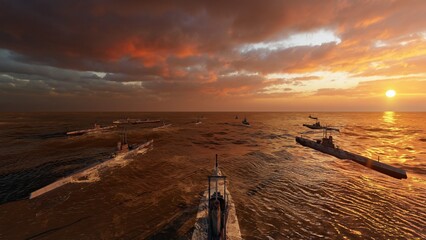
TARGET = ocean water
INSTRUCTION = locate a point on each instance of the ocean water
(281, 189)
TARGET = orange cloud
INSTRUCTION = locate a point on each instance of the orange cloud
(176, 49)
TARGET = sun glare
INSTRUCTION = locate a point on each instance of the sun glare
(390, 93)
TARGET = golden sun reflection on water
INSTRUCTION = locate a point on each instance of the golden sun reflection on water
(389, 117)
(399, 138)
(392, 138)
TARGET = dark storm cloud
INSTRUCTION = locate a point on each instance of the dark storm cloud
(9, 64)
(82, 35)
(22, 78)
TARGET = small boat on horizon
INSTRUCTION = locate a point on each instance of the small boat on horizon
(147, 121)
(97, 128)
(135, 121)
(245, 122)
(216, 217)
(125, 121)
(317, 125)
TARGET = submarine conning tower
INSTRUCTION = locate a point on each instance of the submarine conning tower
(123, 146)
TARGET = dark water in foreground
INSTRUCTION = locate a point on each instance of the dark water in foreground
(281, 189)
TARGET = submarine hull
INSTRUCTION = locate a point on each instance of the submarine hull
(342, 154)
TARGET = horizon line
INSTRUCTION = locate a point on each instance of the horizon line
(226, 111)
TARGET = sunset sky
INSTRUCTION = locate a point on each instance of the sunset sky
(212, 55)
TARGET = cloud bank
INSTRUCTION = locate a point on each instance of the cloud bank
(211, 55)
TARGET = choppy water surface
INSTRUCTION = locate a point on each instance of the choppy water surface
(281, 189)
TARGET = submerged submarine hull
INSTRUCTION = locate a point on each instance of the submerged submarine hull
(342, 154)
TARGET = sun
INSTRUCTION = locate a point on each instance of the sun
(390, 93)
